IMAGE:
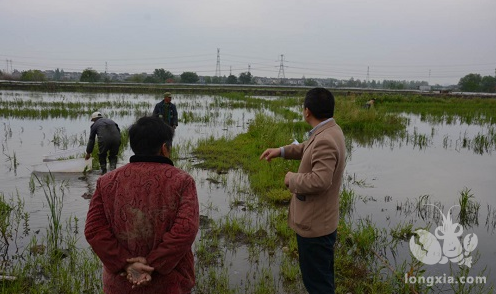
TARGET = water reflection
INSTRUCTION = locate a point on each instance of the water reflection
(421, 135)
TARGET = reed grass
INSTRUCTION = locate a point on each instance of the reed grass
(55, 200)
(347, 202)
(469, 209)
(11, 159)
(5, 216)
(35, 109)
(214, 280)
(12, 218)
(422, 141)
(491, 218)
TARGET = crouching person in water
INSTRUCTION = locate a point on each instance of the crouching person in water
(109, 140)
(369, 104)
(144, 217)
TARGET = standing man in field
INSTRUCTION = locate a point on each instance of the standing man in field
(109, 140)
(143, 218)
(167, 111)
(314, 206)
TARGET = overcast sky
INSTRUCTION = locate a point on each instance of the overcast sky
(438, 41)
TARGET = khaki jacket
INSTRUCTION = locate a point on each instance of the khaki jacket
(314, 207)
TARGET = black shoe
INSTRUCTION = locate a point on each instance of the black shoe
(104, 171)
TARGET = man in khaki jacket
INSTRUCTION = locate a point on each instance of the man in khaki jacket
(314, 207)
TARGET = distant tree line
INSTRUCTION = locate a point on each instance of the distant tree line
(385, 84)
(476, 83)
(33, 75)
(469, 83)
(244, 78)
(159, 76)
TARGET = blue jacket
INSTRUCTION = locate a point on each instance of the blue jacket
(159, 111)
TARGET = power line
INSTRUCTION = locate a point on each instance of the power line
(109, 59)
(261, 67)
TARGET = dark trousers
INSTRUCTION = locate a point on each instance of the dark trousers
(110, 147)
(316, 257)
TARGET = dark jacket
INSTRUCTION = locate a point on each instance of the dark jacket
(159, 111)
(106, 130)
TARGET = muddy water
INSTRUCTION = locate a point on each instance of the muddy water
(392, 173)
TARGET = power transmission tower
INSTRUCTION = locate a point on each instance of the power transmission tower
(368, 76)
(106, 70)
(7, 69)
(281, 68)
(217, 68)
(249, 68)
(230, 70)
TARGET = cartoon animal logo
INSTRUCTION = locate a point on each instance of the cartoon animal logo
(427, 248)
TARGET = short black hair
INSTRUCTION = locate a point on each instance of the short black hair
(320, 102)
(148, 134)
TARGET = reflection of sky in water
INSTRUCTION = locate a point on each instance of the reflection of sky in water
(440, 171)
(405, 172)
(396, 169)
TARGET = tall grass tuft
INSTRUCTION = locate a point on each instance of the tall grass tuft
(12, 217)
(55, 199)
(347, 201)
(469, 208)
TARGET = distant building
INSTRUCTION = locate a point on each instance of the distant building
(425, 88)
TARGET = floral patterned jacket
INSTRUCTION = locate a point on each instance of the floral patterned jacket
(146, 208)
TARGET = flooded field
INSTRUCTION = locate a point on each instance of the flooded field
(436, 161)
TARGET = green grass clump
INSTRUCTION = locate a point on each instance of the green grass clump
(244, 151)
(445, 109)
(469, 208)
(267, 179)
